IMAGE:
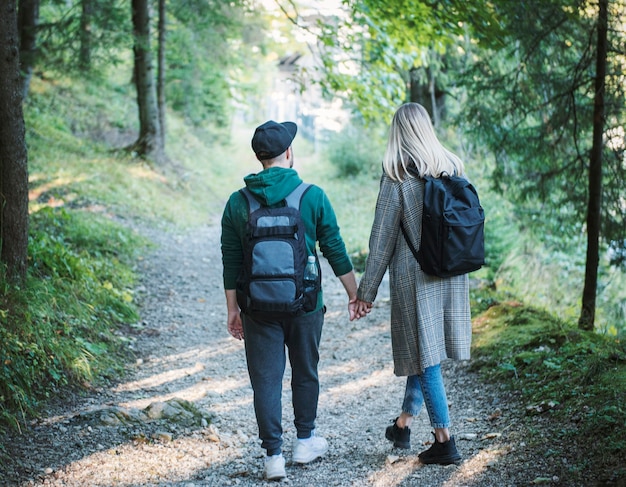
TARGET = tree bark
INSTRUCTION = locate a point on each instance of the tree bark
(86, 16)
(13, 154)
(148, 144)
(161, 71)
(27, 21)
(427, 93)
(587, 315)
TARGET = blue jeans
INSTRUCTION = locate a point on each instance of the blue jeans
(265, 342)
(428, 389)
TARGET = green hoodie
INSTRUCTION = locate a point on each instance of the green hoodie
(270, 187)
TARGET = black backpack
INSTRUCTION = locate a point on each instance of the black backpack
(275, 255)
(453, 228)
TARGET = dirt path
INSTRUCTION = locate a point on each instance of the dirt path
(184, 352)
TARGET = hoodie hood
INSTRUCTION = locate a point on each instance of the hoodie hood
(272, 185)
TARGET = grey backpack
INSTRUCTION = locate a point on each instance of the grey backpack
(271, 281)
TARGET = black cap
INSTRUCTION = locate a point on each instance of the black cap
(272, 139)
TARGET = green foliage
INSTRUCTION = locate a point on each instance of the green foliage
(401, 46)
(531, 101)
(576, 378)
(59, 36)
(198, 56)
(356, 150)
(206, 61)
(548, 270)
(353, 197)
(59, 328)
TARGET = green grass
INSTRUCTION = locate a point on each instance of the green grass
(76, 158)
(58, 328)
(574, 379)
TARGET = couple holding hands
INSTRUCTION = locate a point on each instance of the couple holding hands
(430, 316)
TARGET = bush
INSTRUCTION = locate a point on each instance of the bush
(58, 328)
(356, 150)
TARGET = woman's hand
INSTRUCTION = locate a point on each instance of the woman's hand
(360, 309)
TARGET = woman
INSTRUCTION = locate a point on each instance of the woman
(430, 316)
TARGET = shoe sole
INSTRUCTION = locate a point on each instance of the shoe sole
(405, 445)
(309, 458)
(276, 477)
(442, 461)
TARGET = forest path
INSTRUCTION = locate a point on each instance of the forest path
(184, 352)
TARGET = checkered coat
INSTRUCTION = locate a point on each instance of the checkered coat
(430, 316)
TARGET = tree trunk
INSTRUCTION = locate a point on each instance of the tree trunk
(587, 315)
(13, 155)
(86, 15)
(427, 93)
(161, 71)
(148, 144)
(27, 20)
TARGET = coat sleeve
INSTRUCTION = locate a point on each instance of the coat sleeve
(382, 243)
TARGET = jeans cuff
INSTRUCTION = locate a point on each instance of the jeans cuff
(411, 412)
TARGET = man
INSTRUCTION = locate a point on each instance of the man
(265, 338)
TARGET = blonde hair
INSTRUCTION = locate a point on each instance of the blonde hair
(413, 142)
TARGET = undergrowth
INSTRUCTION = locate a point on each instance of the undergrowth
(573, 380)
(58, 328)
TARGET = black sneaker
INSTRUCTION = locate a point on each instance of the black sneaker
(441, 453)
(401, 437)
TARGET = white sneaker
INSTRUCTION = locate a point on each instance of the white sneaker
(275, 467)
(308, 449)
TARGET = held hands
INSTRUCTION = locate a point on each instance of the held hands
(358, 309)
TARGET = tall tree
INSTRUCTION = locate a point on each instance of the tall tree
(594, 205)
(13, 155)
(86, 25)
(149, 143)
(27, 20)
(161, 69)
(550, 103)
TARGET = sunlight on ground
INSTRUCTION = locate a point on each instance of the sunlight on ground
(223, 347)
(356, 388)
(194, 393)
(401, 470)
(197, 363)
(151, 462)
(468, 473)
(60, 182)
(160, 379)
(145, 172)
(474, 466)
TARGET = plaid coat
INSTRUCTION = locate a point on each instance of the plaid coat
(430, 316)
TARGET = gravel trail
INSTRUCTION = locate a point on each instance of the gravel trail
(183, 352)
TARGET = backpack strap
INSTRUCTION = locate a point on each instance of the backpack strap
(292, 200)
(408, 241)
(253, 203)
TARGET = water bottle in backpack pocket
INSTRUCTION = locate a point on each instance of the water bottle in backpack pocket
(311, 283)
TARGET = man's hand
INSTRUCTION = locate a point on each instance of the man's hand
(235, 327)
